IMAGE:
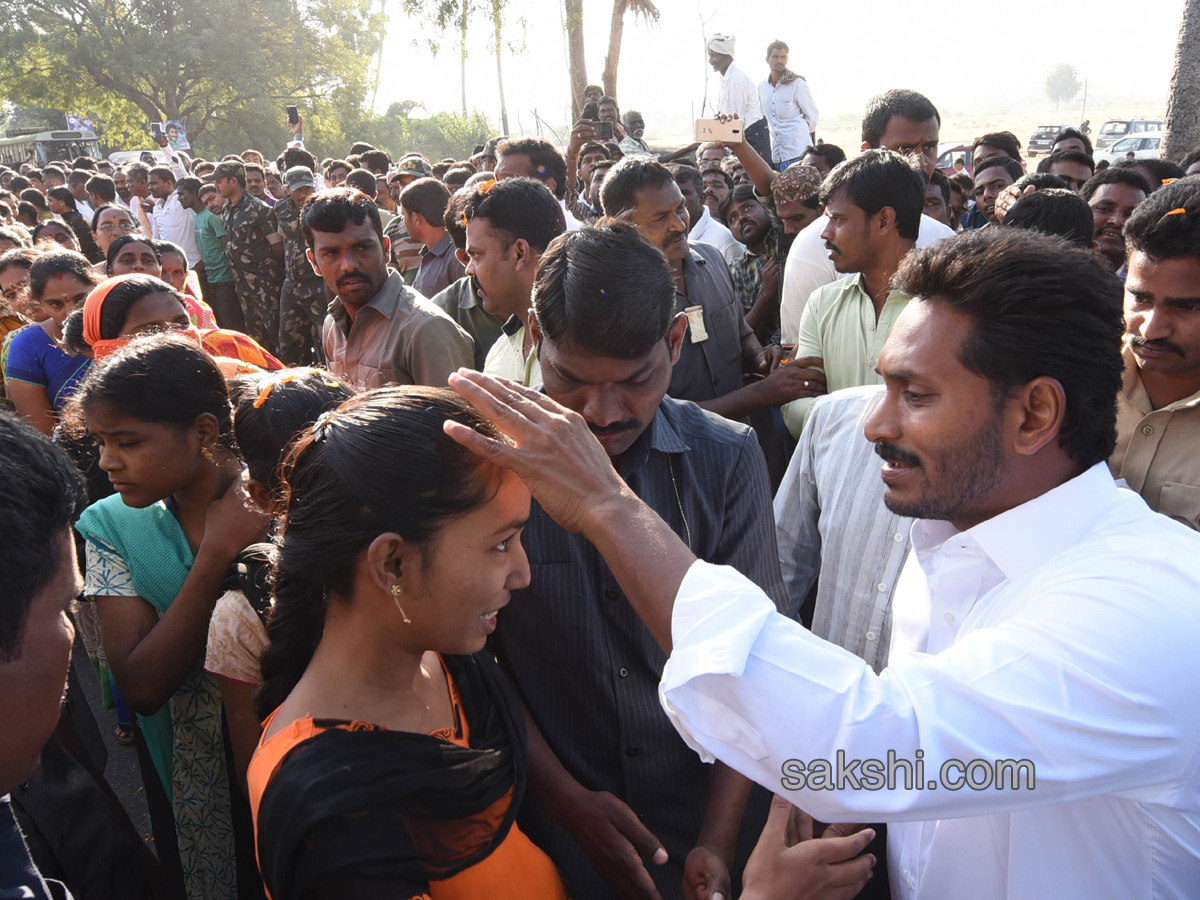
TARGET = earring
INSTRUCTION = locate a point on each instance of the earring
(208, 455)
(397, 590)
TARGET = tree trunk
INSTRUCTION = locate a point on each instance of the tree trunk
(616, 29)
(497, 7)
(1183, 106)
(463, 59)
(575, 58)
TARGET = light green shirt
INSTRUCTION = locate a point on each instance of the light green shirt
(507, 357)
(838, 325)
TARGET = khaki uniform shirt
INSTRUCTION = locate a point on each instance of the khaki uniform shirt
(1158, 450)
(398, 337)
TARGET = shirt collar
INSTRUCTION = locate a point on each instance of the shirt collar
(1026, 537)
(385, 302)
(442, 247)
(511, 326)
(1135, 392)
(660, 437)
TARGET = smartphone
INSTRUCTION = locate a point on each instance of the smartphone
(715, 130)
(293, 115)
(156, 131)
(603, 129)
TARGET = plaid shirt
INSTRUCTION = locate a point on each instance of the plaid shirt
(746, 270)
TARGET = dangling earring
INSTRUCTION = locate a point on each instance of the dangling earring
(397, 590)
(208, 455)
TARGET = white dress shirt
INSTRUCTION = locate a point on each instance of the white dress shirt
(738, 95)
(792, 115)
(1063, 631)
(809, 267)
(709, 231)
(171, 222)
(834, 531)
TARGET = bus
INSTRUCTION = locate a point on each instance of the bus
(47, 146)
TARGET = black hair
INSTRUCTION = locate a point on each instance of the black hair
(121, 298)
(360, 147)
(298, 156)
(521, 208)
(381, 462)
(41, 494)
(740, 194)
(1075, 156)
(629, 176)
(427, 197)
(1161, 169)
(1057, 211)
(165, 247)
(547, 162)
(18, 236)
(34, 196)
(163, 173)
(363, 180)
(1014, 169)
(939, 178)
(1039, 307)
(271, 408)
(377, 161)
(592, 147)
(1001, 140)
(1041, 181)
(831, 153)
(119, 243)
(192, 185)
(879, 178)
(1188, 161)
(452, 217)
(1115, 175)
(610, 100)
(162, 378)
(24, 257)
(332, 209)
(103, 187)
(685, 174)
(137, 172)
(1065, 133)
(457, 176)
(56, 263)
(18, 184)
(900, 103)
(1161, 233)
(607, 290)
(78, 176)
(777, 45)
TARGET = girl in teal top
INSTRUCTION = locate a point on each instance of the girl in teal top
(157, 553)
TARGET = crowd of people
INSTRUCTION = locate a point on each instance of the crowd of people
(517, 526)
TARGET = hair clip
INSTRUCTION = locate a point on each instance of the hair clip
(270, 386)
(1178, 211)
(485, 187)
(322, 425)
(1167, 181)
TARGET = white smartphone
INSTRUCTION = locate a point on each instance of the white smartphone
(715, 130)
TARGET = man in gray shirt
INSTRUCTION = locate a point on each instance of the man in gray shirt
(423, 206)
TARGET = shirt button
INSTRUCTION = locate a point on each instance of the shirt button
(948, 618)
(623, 672)
(870, 635)
(909, 881)
(631, 751)
(1147, 430)
(898, 537)
(610, 594)
(881, 587)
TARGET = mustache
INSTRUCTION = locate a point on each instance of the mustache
(615, 427)
(476, 287)
(831, 248)
(350, 276)
(1157, 344)
(892, 452)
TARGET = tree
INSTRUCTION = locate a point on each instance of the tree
(1183, 104)
(576, 64)
(1062, 84)
(225, 67)
(616, 29)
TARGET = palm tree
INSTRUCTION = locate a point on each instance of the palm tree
(1183, 106)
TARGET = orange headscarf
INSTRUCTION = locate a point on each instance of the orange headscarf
(94, 306)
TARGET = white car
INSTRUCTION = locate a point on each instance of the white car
(1143, 146)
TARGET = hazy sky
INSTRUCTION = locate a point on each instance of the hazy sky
(847, 50)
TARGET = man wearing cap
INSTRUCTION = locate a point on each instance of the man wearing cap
(303, 300)
(738, 95)
(406, 252)
(254, 248)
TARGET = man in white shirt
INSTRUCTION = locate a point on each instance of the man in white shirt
(789, 108)
(899, 120)
(1043, 650)
(738, 96)
(170, 221)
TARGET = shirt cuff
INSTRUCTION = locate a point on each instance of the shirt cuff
(716, 621)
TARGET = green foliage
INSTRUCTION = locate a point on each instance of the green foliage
(437, 136)
(225, 67)
(1062, 84)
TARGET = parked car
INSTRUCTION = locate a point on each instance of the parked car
(1115, 129)
(948, 152)
(1042, 140)
(1142, 146)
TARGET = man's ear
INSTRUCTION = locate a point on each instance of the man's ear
(1040, 408)
(312, 260)
(675, 336)
(461, 255)
(535, 330)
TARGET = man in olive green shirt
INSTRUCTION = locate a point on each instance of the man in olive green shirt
(874, 204)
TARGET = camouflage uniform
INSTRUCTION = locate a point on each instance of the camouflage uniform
(303, 301)
(251, 230)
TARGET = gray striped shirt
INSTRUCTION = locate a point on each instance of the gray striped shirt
(833, 528)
